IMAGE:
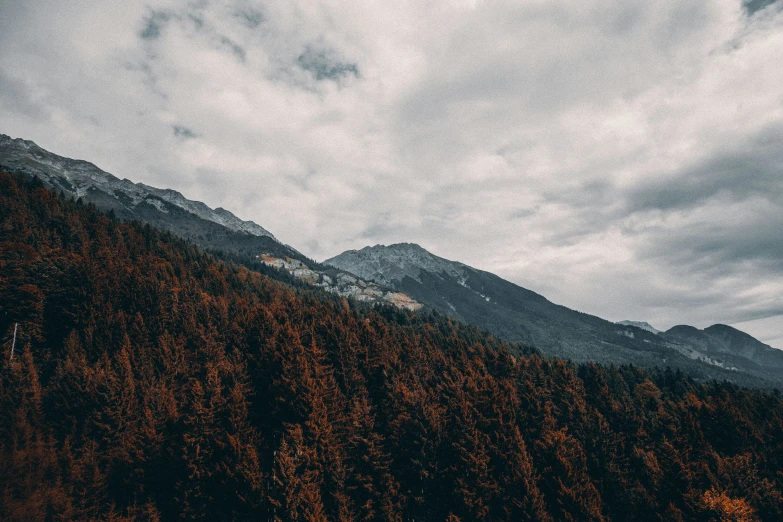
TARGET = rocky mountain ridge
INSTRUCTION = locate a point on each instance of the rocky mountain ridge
(518, 314)
(393, 263)
(81, 179)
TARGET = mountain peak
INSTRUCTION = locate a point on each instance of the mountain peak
(684, 329)
(640, 324)
(736, 340)
(405, 247)
(387, 264)
(6, 140)
(724, 329)
(394, 247)
(724, 339)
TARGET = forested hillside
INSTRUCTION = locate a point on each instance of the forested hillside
(151, 382)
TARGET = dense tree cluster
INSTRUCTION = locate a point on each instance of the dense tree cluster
(151, 382)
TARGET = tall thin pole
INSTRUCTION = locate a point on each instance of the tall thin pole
(13, 344)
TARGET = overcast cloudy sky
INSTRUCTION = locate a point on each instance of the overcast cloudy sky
(624, 158)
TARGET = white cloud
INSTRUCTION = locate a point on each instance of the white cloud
(621, 159)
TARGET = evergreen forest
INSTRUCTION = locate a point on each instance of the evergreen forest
(151, 380)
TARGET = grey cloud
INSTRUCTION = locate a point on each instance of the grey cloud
(250, 16)
(197, 20)
(626, 19)
(315, 247)
(382, 229)
(562, 59)
(324, 65)
(235, 48)
(725, 252)
(194, 18)
(15, 96)
(523, 213)
(719, 220)
(753, 6)
(183, 132)
(753, 170)
(149, 77)
(765, 313)
(750, 237)
(153, 24)
(594, 193)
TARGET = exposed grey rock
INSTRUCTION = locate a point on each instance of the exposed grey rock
(389, 264)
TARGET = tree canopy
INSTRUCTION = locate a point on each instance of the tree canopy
(154, 382)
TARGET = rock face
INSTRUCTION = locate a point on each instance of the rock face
(392, 264)
(341, 283)
(517, 314)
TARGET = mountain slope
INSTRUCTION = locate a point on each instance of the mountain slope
(151, 382)
(520, 315)
(403, 275)
(725, 342)
(217, 230)
(81, 179)
(214, 229)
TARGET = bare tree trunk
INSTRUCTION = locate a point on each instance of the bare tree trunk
(13, 344)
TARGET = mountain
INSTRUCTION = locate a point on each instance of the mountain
(213, 229)
(640, 324)
(217, 230)
(728, 344)
(403, 275)
(81, 179)
(152, 382)
(520, 315)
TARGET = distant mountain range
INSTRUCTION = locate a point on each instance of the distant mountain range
(517, 314)
(724, 343)
(408, 276)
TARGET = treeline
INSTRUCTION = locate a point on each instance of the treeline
(151, 382)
